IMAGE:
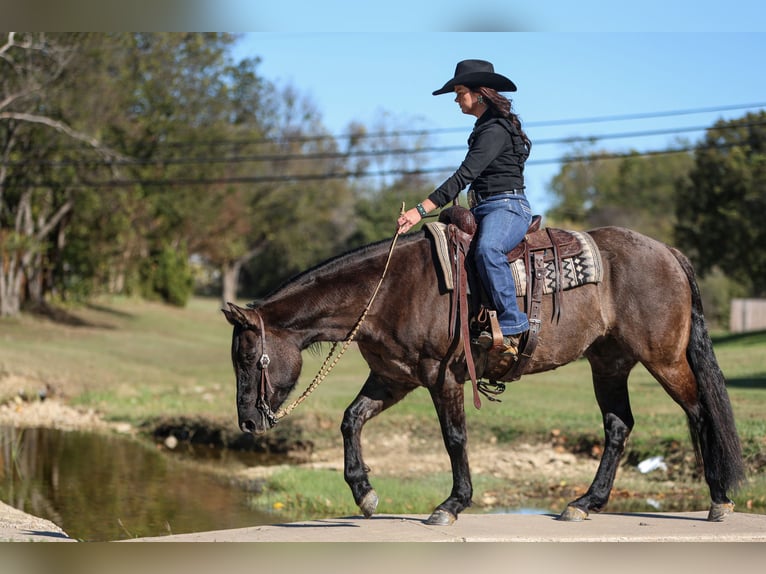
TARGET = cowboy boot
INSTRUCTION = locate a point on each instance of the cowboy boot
(484, 340)
(510, 346)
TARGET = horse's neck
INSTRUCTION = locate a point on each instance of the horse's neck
(326, 305)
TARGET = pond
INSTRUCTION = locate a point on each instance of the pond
(107, 487)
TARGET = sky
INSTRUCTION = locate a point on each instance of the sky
(362, 60)
(560, 77)
(385, 16)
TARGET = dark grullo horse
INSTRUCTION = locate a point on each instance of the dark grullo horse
(645, 310)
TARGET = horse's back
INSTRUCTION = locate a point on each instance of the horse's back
(636, 264)
(645, 292)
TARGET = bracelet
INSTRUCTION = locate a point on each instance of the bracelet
(421, 210)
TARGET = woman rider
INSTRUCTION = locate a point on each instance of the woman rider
(494, 168)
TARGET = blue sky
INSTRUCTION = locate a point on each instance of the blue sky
(560, 76)
(487, 15)
(361, 60)
(385, 16)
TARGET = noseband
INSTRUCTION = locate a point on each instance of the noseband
(261, 404)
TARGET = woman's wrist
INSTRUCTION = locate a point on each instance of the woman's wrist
(421, 210)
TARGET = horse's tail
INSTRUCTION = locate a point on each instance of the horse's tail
(712, 427)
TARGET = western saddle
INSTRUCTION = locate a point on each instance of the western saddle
(539, 246)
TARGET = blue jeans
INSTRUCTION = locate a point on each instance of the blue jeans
(502, 221)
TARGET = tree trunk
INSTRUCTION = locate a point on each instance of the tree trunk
(229, 281)
(230, 274)
(10, 284)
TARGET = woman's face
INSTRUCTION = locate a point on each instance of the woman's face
(468, 101)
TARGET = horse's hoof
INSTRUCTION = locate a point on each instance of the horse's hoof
(369, 504)
(441, 517)
(573, 514)
(719, 511)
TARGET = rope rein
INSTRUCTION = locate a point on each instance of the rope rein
(327, 365)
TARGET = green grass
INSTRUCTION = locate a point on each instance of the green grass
(137, 361)
(132, 361)
(298, 493)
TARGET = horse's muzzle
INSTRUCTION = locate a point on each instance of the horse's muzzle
(257, 422)
(248, 425)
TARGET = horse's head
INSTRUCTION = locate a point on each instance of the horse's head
(267, 365)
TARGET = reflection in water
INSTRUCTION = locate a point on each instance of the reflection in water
(101, 488)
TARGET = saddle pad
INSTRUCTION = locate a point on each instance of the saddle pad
(438, 231)
(575, 271)
(578, 270)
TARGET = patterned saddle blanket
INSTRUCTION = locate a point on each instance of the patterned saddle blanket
(576, 270)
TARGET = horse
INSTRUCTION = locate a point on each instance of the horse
(646, 309)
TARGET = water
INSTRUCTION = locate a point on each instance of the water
(103, 488)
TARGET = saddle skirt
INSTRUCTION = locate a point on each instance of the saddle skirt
(580, 262)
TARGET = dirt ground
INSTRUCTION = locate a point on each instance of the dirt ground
(53, 413)
(387, 455)
(406, 456)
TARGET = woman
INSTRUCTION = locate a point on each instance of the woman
(494, 168)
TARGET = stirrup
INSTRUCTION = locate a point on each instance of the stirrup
(484, 340)
(510, 346)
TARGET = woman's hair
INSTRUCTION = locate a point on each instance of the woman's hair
(502, 107)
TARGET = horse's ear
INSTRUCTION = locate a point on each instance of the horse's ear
(236, 315)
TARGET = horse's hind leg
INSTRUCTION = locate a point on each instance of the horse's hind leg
(610, 381)
(376, 395)
(711, 426)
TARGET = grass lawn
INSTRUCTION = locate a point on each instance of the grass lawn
(135, 361)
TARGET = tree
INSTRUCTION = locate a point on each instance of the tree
(67, 223)
(376, 211)
(635, 191)
(121, 152)
(33, 201)
(193, 104)
(721, 209)
(578, 189)
(305, 213)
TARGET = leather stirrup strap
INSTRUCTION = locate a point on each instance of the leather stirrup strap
(558, 275)
(461, 242)
(534, 312)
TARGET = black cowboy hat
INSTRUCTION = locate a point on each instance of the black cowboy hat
(474, 74)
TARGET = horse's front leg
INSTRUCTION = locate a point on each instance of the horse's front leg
(610, 382)
(376, 395)
(448, 400)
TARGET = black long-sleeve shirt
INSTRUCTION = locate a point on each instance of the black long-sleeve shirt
(494, 162)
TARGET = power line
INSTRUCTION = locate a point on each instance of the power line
(279, 140)
(645, 115)
(274, 158)
(351, 175)
(542, 123)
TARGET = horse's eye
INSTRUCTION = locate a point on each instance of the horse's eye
(248, 357)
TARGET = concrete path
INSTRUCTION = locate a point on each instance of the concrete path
(648, 527)
(16, 526)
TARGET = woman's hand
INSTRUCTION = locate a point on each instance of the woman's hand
(413, 216)
(407, 220)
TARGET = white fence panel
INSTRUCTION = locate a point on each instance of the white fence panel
(747, 315)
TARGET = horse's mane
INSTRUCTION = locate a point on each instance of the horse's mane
(333, 264)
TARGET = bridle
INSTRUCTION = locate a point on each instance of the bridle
(264, 387)
(261, 404)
